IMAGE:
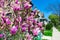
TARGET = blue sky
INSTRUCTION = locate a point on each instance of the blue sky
(42, 5)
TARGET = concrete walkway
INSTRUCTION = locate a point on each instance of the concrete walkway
(47, 37)
(56, 34)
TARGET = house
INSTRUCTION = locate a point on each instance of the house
(41, 18)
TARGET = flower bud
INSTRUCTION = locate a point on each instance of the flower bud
(39, 24)
(27, 5)
(13, 30)
(8, 21)
(28, 36)
(36, 31)
(1, 35)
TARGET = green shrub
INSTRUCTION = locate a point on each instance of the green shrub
(48, 32)
(49, 26)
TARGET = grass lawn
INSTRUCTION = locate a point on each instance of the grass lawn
(48, 32)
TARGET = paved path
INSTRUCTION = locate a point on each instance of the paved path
(56, 34)
(47, 37)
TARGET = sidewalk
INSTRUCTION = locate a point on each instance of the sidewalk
(47, 37)
(56, 34)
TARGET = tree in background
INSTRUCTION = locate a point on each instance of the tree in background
(54, 19)
(55, 8)
(49, 26)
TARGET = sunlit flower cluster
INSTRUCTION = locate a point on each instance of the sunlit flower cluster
(19, 18)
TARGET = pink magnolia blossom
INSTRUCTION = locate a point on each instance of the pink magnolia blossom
(32, 14)
(1, 35)
(41, 28)
(24, 26)
(19, 18)
(39, 24)
(1, 3)
(4, 18)
(16, 1)
(36, 31)
(34, 21)
(30, 18)
(2, 21)
(13, 30)
(1, 12)
(16, 21)
(8, 21)
(23, 29)
(16, 6)
(24, 19)
(35, 10)
(27, 5)
(28, 36)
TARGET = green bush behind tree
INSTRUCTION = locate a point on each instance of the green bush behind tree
(49, 26)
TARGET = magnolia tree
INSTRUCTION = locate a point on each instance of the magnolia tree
(17, 20)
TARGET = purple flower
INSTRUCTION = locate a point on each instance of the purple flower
(1, 3)
(2, 21)
(17, 20)
(35, 10)
(34, 21)
(8, 21)
(16, 1)
(20, 19)
(1, 35)
(13, 30)
(4, 18)
(27, 5)
(2, 12)
(23, 29)
(39, 24)
(36, 31)
(30, 18)
(16, 26)
(32, 14)
(28, 29)
(41, 28)
(28, 36)
(16, 6)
